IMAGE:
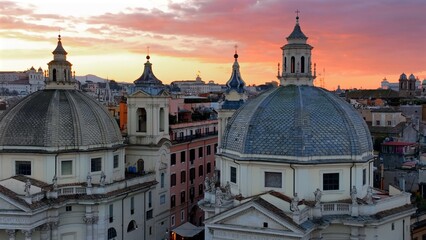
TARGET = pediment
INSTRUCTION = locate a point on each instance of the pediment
(8, 204)
(253, 216)
(140, 93)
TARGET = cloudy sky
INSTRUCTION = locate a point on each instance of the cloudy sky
(356, 43)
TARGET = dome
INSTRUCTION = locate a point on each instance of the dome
(297, 124)
(56, 120)
(412, 77)
(403, 76)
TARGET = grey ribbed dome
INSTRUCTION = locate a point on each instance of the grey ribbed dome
(52, 120)
(297, 124)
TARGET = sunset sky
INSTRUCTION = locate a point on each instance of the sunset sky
(356, 43)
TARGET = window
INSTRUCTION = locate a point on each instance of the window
(149, 199)
(141, 113)
(191, 174)
(209, 150)
(200, 171)
(132, 226)
(200, 152)
(192, 155)
(162, 119)
(149, 214)
(173, 159)
(209, 167)
(111, 213)
(150, 230)
(302, 64)
(66, 167)
(68, 208)
(273, 179)
(172, 220)
(182, 197)
(96, 164)
(393, 226)
(265, 224)
(182, 157)
(293, 60)
(389, 123)
(116, 161)
(364, 176)
(378, 123)
(173, 180)
(162, 199)
(112, 233)
(162, 180)
(200, 189)
(330, 181)
(182, 215)
(172, 201)
(215, 148)
(233, 175)
(54, 74)
(182, 177)
(132, 205)
(23, 168)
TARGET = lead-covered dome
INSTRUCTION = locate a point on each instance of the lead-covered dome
(296, 124)
(56, 120)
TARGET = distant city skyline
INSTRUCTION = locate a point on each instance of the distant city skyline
(357, 43)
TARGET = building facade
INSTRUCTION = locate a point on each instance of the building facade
(297, 163)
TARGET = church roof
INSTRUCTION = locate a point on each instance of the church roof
(59, 49)
(294, 122)
(148, 82)
(236, 82)
(297, 32)
(54, 120)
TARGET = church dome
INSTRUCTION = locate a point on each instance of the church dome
(58, 120)
(297, 124)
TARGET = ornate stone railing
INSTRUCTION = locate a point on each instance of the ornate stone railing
(72, 190)
(335, 208)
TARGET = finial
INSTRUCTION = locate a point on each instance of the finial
(236, 55)
(147, 56)
(297, 16)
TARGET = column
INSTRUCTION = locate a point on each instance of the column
(11, 233)
(44, 231)
(89, 227)
(95, 227)
(54, 230)
(27, 234)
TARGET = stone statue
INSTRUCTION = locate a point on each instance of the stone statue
(27, 187)
(228, 193)
(294, 205)
(89, 180)
(353, 195)
(207, 184)
(370, 195)
(102, 180)
(318, 195)
(212, 184)
(219, 197)
(55, 182)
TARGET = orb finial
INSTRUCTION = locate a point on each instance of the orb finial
(236, 54)
(297, 16)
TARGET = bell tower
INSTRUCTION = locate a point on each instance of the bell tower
(296, 64)
(59, 73)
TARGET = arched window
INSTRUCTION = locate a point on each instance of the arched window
(65, 74)
(132, 226)
(54, 74)
(141, 120)
(302, 64)
(141, 166)
(162, 119)
(293, 64)
(285, 64)
(112, 233)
